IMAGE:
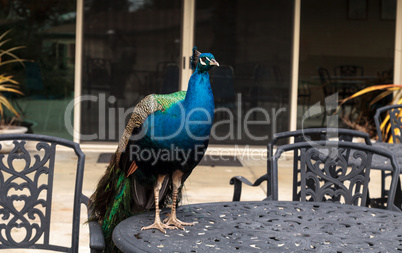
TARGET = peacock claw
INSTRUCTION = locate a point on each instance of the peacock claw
(157, 225)
(173, 223)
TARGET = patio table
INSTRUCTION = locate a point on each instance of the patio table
(267, 225)
(383, 163)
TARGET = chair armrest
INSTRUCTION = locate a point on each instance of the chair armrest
(96, 237)
(238, 180)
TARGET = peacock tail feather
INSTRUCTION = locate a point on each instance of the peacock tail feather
(112, 200)
(121, 205)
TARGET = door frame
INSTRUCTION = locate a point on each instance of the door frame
(187, 42)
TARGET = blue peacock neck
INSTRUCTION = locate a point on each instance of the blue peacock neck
(199, 104)
(199, 95)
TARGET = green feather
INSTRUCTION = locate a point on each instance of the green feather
(111, 202)
(120, 207)
(122, 187)
(167, 100)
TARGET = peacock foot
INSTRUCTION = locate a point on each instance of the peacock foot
(157, 225)
(173, 223)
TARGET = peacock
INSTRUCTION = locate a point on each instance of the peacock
(164, 140)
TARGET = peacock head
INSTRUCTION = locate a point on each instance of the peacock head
(203, 61)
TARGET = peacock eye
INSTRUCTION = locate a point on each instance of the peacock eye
(202, 61)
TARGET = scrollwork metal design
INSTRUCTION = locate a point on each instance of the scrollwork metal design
(329, 174)
(396, 124)
(268, 226)
(24, 197)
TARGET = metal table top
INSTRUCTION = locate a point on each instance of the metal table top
(267, 225)
(383, 163)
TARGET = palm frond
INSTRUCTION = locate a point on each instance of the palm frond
(382, 95)
(5, 34)
(387, 89)
(7, 79)
(7, 82)
(4, 42)
(9, 53)
(11, 90)
(370, 89)
(4, 102)
(21, 61)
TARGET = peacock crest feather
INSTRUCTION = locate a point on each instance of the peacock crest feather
(194, 58)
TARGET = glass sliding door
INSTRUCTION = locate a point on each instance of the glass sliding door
(252, 41)
(344, 47)
(130, 49)
(46, 29)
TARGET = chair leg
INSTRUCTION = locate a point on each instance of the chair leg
(398, 196)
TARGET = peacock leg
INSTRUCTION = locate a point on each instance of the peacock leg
(157, 223)
(172, 219)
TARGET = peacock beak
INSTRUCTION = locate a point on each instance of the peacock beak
(214, 62)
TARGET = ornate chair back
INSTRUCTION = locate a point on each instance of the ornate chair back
(327, 174)
(311, 134)
(27, 191)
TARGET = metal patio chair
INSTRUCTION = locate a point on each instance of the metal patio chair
(395, 113)
(325, 174)
(348, 70)
(312, 134)
(27, 192)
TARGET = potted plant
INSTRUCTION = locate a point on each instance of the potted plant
(8, 87)
(366, 112)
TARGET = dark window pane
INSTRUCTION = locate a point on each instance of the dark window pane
(252, 41)
(131, 49)
(47, 30)
(344, 47)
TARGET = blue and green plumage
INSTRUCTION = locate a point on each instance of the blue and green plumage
(179, 122)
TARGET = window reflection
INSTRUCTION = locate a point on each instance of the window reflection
(252, 42)
(131, 49)
(47, 30)
(344, 47)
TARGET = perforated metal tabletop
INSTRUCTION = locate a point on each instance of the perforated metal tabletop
(267, 225)
(381, 162)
